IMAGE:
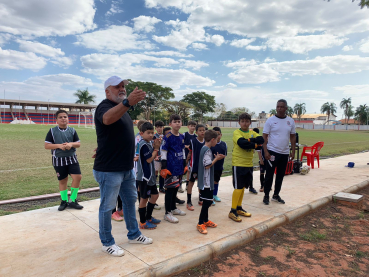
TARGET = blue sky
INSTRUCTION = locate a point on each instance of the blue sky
(245, 53)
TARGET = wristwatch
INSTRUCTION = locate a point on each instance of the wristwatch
(125, 102)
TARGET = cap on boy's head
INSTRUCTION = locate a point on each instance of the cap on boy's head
(256, 130)
(113, 81)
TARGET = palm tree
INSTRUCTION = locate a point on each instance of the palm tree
(349, 112)
(344, 104)
(273, 112)
(84, 97)
(361, 114)
(329, 109)
(299, 110)
(289, 111)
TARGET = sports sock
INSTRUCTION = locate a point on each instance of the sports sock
(216, 186)
(149, 209)
(188, 198)
(234, 211)
(138, 196)
(64, 195)
(161, 182)
(241, 198)
(235, 197)
(73, 195)
(142, 212)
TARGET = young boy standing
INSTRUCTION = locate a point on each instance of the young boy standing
(159, 126)
(195, 147)
(221, 148)
(205, 181)
(188, 136)
(63, 140)
(261, 163)
(173, 166)
(245, 141)
(146, 176)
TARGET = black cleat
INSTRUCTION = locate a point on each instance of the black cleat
(63, 205)
(278, 199)
(266, 200)
(179, 201)
(75, 205)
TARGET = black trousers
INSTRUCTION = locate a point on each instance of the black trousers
(280, 162)
(170, 199)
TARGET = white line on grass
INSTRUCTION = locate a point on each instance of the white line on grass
(20, 169)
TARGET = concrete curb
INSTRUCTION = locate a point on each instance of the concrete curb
(207, 252)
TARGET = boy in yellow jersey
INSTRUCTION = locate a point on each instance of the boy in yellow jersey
(244, 141)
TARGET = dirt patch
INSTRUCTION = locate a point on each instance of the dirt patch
(332, 241)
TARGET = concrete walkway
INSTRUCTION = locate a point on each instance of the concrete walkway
(46, 242)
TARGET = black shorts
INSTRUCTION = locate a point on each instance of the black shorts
(206, 195)
(62, 172)
(242, 177)
(145, 190)
(172, 181)
(217, 175)
(193, 176)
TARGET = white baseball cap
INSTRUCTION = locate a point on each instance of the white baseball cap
(113, 81)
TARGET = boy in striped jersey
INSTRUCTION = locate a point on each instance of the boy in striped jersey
(63, 140)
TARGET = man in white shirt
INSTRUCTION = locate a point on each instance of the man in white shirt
(278, 131)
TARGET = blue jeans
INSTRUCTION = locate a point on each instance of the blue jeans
(111, 184)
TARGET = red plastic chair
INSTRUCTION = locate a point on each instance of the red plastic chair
(311, 152)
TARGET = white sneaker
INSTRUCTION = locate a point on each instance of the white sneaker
(157, 207)
(181, 190)
(113, 250)
(141, 239)
(169, 217)
(178, 212)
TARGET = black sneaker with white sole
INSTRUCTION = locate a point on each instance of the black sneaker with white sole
(278, 199)
(63, 205)
(75, 205)
(141, 240)
(266, 200)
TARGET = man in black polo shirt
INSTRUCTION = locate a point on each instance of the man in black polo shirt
(113, 168)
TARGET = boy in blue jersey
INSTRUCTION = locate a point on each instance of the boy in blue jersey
(173, 166)
(221, 148)
(146, 176)
(194, 154)
(188, 136)
(63, 140)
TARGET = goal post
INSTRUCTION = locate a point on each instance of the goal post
(86, 119)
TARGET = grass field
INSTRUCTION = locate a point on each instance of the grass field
(25, 166)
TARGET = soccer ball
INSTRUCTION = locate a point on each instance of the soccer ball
(304, 169)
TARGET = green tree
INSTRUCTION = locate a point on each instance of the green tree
(289, 111)
(202, 102)
(344, 104)
(299, 110)
(273, 112)
(156, 96)
(349, 113)
(329, 109)
(362, 113)
(84, 97)
(239, 110)
(362, 4)
(220, 110)
(183, 109)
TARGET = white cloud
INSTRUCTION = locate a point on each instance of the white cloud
(265, 18)
(132, 66)
(240, 43)
(218, 40)
(255, 47)
(64, 62)
(347, 48)
(195, 65)
(145, 23)
(39, 48)
(168, 53)
(182, 35)
(355, 90)
(231, 85)
(114, 8)
(4, 38)
(38, 88)
(364, 47)
(269, 60)
(11, 59)
(114, 38)
(46, 18)
(199, 46)
(250, 72)
(304, 44)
